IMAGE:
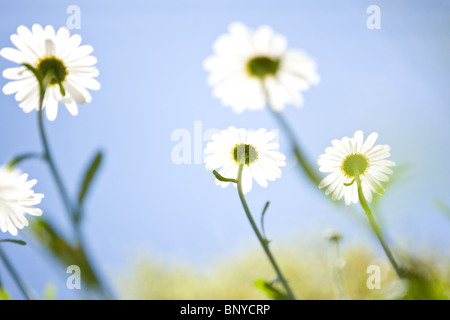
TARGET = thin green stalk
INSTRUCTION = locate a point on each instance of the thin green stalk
(43, 84)
(15, 276)
(51, 163)
(23, 157)
(299, 154)
(261, 239)
(376, 229)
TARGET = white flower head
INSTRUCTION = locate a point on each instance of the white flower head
(44, 49)
(17, 198)
(247, 61)
(349, 157)
(254, 149)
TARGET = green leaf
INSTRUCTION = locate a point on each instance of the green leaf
(262, 221)
(52, 240)
(269, 290)
(220, 178)
(66, 253)
(19, 242)
(89, 177)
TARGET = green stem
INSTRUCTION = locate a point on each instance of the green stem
(262, 240)
(376, 229)
(43, 84)
(51, 163)
(71, 210)
(299, 154)
(14, 162)
(15, 276)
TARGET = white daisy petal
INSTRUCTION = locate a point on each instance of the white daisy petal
(384, 163)
(366, 191)
(358, 141)
(247, 180)
(348, 194)
(370, 141)
(77, 92)
(51, 109)
(15, 55)
(72, 108)
(49, 47)
(16, 199)
(329, 179)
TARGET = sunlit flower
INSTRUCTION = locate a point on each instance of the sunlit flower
(59, 53)
(16, 199)
(349, 157)
(253, 149)
(247, 61)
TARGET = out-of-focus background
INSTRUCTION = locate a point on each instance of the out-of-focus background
(158, 229)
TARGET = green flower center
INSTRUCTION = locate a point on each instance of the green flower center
(53, 65)
(260, 67)
(355, 162)
(244, 154)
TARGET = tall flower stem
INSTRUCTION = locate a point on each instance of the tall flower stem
(51, 163)
(400, 272)
(15, 276)
(261, 239)
(44, 81)
(299, 154)
(69, 207)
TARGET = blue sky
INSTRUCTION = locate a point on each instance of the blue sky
(393, 81)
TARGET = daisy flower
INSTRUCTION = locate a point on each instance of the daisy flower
(254, 149)
(16, 199)
(250, 66)
(349, 157)
(44, 49)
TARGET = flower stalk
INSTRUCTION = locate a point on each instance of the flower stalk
(22, 287)
(375, 227)
(298, 152)
(262, 240)
(44, 81)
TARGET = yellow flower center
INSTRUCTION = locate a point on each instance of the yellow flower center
(355, 162)
(244, 154)
(260, 67)
(53, 65)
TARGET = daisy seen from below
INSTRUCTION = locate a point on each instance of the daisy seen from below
(67, 64)
(352, 158)
(251, 68)
(254, 150)
(243, 156)
(17, 198)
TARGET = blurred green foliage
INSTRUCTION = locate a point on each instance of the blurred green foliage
(308, 273)
(66, 252)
